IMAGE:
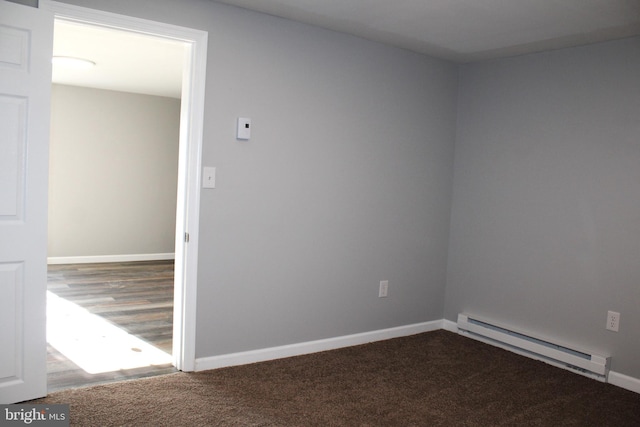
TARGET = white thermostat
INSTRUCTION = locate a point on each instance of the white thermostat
(244, 128)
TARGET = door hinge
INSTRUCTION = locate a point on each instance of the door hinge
(186, 237)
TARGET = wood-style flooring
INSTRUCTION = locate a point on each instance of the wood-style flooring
(137, 297)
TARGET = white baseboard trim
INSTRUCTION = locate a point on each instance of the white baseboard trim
(450, 326)
(109, 258)
(309, 347)
(624, 381)
(262, 355)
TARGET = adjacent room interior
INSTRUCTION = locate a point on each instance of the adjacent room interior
(112, 205)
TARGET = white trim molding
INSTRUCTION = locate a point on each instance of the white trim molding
(272, 353)
(450, 326)
(309, 347)
(624, 381)
(95, 259)
(190, 158)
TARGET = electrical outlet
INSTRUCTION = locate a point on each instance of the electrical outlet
(613, 321)
(384, 289)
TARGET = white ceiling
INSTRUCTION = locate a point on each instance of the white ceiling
(457, 30)
(125, 61)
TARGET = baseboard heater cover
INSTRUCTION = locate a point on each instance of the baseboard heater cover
(584, 363)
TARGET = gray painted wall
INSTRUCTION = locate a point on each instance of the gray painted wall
(113, 173)
(546, 208)
(346, 180)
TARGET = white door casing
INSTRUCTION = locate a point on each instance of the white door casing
(191, 131)
(26, 43)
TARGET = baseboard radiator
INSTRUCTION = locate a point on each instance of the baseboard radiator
(584, 363)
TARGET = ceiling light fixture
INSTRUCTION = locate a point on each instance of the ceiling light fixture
(70, 61)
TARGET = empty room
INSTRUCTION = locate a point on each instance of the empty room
(113, 176)
(394, 213)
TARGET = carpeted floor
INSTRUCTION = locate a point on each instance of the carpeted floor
(432, 379)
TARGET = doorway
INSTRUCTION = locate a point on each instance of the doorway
(112, 203)
(190, 141)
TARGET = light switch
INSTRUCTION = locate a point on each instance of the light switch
(244, 128)
(209, 177)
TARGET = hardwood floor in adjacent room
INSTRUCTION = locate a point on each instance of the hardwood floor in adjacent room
(136, 297)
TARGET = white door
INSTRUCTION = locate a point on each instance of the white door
(26, 40)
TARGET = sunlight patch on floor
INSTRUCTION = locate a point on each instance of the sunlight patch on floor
(93, 343)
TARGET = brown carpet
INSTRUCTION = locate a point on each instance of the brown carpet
(432, 379)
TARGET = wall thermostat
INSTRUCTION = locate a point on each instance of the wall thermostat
(244, 128)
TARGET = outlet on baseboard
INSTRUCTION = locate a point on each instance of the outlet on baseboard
(613, 321)
(384, 288)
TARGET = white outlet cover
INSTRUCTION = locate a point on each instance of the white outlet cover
(384, 289)
(613, 321)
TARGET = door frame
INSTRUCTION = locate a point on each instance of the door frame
(190, 159)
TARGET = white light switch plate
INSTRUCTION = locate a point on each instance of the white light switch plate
(209, 177)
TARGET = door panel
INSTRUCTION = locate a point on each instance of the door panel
(26, 39)
(13, 111)
(11, 286)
